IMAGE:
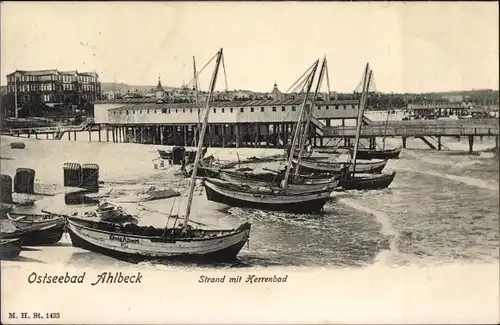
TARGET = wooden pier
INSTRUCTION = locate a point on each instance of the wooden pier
(274, 134)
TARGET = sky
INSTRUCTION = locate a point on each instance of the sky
(411, 47)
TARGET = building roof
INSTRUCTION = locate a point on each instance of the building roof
(71, 73)
(35, 72)
(89, 74)
(159, 87)
(275, 89)
(145, 103)
(48, 72)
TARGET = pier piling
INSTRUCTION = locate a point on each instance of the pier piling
(471, 143)
(439, 143)
(404, 142)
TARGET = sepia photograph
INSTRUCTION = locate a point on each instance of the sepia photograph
(227, 162)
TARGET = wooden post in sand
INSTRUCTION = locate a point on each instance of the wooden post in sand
(471, 143)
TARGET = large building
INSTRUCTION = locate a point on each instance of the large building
(152, 120)
(53, 87)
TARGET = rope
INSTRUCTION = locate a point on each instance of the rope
(198, 73)
(224, 69)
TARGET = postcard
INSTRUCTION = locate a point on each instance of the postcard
(249, 162)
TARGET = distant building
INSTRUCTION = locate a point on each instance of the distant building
(276, 94)
(53, 87)
(159, 91)
(453, 98)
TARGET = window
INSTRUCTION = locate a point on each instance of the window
(345, 106)
(283, 108)
(242, 110)
(231, 110)
(126, 112)
(319, 107)
(140, 111)
(147, 111)
(190, 110)
(133, 112)
(164, 110)
(155, 111)
(262, 109)
(251, 109)
(274, 108)
(336, 106)
(293, 108)
(176, 110)
(222, 110)
(327, 107)
(215, 110)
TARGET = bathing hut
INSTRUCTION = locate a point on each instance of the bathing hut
(24, 181)
(72, 174)
(6, 189)
(90, 177)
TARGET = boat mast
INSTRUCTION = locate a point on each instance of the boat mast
(297, 128)
(386, 121)
(309, 115)
(366, 84)
(196, 98)
(15, 95)
(200, 140)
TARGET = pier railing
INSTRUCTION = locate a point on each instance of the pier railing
(53, 129)
(485, 121)
(484, 127)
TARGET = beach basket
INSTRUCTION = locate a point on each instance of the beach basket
(90, 177)
(6, 189)
(72, 174)
(24, 181)
(178, 154)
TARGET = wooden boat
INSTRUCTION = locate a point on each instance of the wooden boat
(307, 166)
(264, 197)
(38, 229)
(355, 179)
(273, 198)
(10, 247)
(367, 181)
(368, 154)
(295, 186)
(131, 242)
(28, 220)
(204, 168)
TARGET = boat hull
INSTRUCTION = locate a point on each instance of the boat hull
(10, 248)
(373, 182)
(305, 203)
(46, 236)
(378, 154)
(38, 230)
(134, 248)
(337, 168)
(292, 187)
